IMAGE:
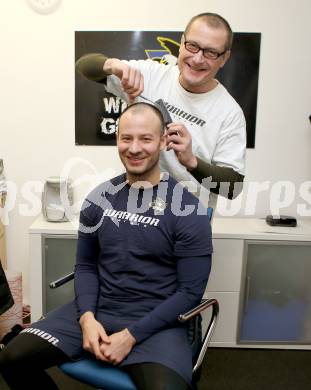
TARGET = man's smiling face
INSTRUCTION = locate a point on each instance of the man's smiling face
(139, 143)
(196, 71)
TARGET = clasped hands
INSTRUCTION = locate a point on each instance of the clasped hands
(111, 349)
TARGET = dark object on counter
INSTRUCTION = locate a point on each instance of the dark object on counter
(281, 220)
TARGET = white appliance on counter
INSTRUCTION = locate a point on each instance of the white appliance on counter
(57, 199)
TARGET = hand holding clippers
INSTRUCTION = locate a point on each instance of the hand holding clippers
(160, 105)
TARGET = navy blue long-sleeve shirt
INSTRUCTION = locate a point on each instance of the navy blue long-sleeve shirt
(144, 255)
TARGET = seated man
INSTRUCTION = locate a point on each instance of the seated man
(143, 257)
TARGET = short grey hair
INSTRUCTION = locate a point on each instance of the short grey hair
(139, 107)
(216, 21)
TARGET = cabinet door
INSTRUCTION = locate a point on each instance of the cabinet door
(226, 265)
(226, 328)
(276, 307)
(58, 260)
(224, 285)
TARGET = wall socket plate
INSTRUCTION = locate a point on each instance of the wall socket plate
(44, 6)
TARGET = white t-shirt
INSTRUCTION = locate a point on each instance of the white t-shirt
(214, 119)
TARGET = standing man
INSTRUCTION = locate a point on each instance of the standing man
(143, 258)
(207, 140)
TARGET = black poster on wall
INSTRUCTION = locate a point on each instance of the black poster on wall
(97, 111)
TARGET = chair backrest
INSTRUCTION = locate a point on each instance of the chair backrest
(210, 213)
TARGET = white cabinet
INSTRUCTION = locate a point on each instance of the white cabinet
(46, 264)
(230, 264)
(226, 265)
(276, 296)
(224, 285)
(58, 260)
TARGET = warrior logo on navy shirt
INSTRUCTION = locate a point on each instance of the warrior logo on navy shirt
(133, 218)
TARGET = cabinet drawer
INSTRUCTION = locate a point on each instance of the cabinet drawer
(226, 265)
(226, 328)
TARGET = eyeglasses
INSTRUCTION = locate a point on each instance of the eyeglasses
(207, 53)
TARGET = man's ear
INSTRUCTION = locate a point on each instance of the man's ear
(163, 140)
(182, 40)
(226, 57)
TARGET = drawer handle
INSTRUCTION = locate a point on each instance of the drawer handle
(248, 286)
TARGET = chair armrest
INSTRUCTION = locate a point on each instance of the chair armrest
(59, 282)
(205, 304)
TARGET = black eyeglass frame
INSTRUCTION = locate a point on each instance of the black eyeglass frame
(212, 54)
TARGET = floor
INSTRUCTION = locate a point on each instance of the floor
(234, 369)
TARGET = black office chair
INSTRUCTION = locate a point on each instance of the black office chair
(108, 377)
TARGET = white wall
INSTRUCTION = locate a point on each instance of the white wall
(37, 93)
